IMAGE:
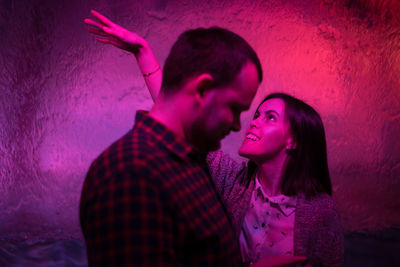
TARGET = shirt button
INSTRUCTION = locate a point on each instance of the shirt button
(263, 224)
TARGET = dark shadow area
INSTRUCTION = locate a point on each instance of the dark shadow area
(361, 249)
(373, 249)
(67, 253)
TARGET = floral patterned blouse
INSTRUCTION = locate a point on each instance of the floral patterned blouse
(268, 226)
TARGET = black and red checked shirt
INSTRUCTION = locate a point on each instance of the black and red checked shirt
(148, 200)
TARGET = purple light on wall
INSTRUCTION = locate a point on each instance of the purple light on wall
(64, 97)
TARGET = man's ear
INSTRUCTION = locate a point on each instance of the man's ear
(201, 85)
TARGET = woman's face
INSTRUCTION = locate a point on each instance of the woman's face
(269, 134)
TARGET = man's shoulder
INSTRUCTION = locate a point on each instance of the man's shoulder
(136, 141)
(132, 151)
(132, 160)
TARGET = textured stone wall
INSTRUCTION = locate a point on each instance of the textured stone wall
(64, 97)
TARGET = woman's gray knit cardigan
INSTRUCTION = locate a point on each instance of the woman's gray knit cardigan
(317, 230)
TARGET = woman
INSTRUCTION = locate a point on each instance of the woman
(280, 200)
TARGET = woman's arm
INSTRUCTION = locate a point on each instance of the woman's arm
(319, 231)
(332, 237)
(111, 33)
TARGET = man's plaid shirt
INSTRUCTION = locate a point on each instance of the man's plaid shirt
(149, 200)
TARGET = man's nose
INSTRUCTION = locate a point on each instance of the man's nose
(236, 125)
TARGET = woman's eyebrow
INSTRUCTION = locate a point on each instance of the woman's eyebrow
(271, 111)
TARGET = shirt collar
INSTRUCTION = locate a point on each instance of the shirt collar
(172, 141)
(286, 204)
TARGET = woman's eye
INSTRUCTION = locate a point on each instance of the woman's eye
(271, 118)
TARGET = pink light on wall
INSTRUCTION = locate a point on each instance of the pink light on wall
(64, 97)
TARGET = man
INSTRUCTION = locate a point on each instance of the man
(148, 199)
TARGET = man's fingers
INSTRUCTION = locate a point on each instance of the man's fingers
(294, 259)
(279, 261)
(104, 20)
(300, 258)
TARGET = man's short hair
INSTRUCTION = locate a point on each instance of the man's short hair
(216, 51)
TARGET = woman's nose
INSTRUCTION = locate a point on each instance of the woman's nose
(254, 123)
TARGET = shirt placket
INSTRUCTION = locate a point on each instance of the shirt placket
(263, 212)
